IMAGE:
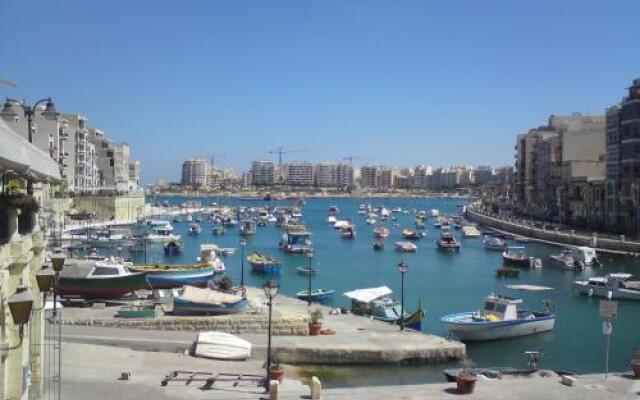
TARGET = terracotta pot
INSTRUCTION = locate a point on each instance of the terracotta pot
(277, 373)
(314, 328)
(466, 383)
(635, 366)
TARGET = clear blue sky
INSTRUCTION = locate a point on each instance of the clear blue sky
(401, 82)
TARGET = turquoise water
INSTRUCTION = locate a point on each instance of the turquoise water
(444, 282)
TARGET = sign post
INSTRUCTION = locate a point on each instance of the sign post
(608, 311)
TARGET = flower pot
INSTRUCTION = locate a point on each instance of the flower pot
(466, 383)
(276, 373)
(635, 366)
(314, 328)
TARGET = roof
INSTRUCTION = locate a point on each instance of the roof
(24, 158)
(368, 295)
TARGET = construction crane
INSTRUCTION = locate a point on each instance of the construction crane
(212, 159)
(280, 151)
(351, 158)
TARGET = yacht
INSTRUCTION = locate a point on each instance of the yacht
(615, 286)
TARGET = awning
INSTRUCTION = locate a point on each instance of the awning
(24, 158)
(368, 295)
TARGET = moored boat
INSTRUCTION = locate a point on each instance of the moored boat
(447, 241)
(348, 232)
(616, 286)
(378, 245)
(470, 231)
(494, 243)
(172, 248)
(247, 227)
(406, 247)
(195, 229)
(380, 232)
(378, 304)
(263, 263)
(516, 256)
(306, 271)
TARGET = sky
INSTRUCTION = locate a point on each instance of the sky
(390, 82)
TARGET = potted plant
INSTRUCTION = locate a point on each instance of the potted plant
(466, 378)
(276, 372)
(314, 322)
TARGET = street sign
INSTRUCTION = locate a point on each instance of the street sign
(607, 327)
(608, 309)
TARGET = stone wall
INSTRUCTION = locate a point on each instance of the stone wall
(124, 208)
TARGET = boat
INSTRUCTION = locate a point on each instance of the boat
(377, 303)
(410, 234)
(195, 229)
(447, 241)
(227, 251)
(507, 272)
(208, 255)
(296, 239)
(615, 286)
(106, 279)
(306, 271)
(420, 224)
(218, 230)
(380, 232)
(434, 212)
(263, 263)
(167, 276)
(247, 227)
(470, 231)
(396, 210)
(332, 220)
(348, 232)
(229, 222)
(334, 209)
(378, 245)
(317, 295)
(406, 247)
(371, 221)
(172, 248)
(565, 260)
(494, 243)
(341, 224)
(585, 255)
(489, 373)
(500, 319)
(221, 346)
(139, 311)
(207, 301)
(516, 256)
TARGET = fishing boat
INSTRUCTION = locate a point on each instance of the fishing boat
(615, 286)
(166, 276)
(348, 232)
(106, 279)
(565, 260)
(247, 227)
(208, 255)
(470, 231)
(296, 239)
(410, 234)
(378, 245)
(494, 243)
(516, 256)
(206, 301)
(263, 263)
(161, 234)
(378, 304)
(195, 229)
(380, 232)
(406, 247)
(500, 319)
(172, 248)
(306, 271)
(317, 295)
(218, 230)
(447, 241)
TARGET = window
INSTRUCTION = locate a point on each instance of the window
(105, 271)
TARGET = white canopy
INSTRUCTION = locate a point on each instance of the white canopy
(207, 296)
(529, 288)
(368, 295)
(24, 158)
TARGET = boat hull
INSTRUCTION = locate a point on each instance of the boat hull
(185, 307)
(603, 291)
(102, 288)
(266, 269)
(176, 279)
(317, 297)
(461, 327)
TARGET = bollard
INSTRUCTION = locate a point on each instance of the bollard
(274, 390)
(316, 388)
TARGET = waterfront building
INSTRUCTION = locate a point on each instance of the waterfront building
(263, 173)
(386, 178)
(194, 172)
(483, 174)
(333, 175)
(467, 176)
(369, 177)
(422, 177)
(298, 173)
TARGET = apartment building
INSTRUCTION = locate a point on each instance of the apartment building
(194, 172)
(370, 177)
(299, 173)
(263, 173)
(333, 175)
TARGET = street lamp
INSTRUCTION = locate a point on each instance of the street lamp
(29, 112)
(57, 261)
(310, 256)
(20, 304)
(270, 291)
(243, 244)
(402, 268)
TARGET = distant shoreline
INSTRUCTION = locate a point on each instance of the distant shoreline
(293, 195)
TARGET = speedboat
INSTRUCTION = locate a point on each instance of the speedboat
(348, 232)
(447, 241)
(499, 319)
(494, 243)
(566, 260)
(406, 247)
(516, 256)
(378, 304)
(616, 286)
(341, 224)
(380, 232)
(317, 295)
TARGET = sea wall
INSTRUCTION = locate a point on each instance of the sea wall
(618, 244)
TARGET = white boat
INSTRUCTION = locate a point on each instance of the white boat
(447, 241)
(500, 319)
(384, 213)
(227, 251)
(209, 255)
(406, 247)
(434, 212)
(331, 219)
(470, 231)
(494, 243)
(371, 221)
(161, 234)
(585, 255)
(221, 345)
(616, 286)
(341, 224)
(565, 260)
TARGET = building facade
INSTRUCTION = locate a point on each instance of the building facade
(263, 173)
(299, 173)
(194, 172)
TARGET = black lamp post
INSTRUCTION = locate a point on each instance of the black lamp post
(271, 291)
(29, 112)
(243, 244)
(402, 268)
(57, 261)
(310, 256)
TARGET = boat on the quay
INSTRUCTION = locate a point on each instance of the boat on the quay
(406, 247)
(500, 319)
(377, 303)
(615, 286)
(447, 241)
(263, 263)
(106, 279)
(206, 301)
(317, 295)
(494, 243)
(167, 276)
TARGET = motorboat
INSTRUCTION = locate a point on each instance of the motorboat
(378, 245)
(406, 247)
(348, 232)
(615, 286)
(208, 255)
(161, 234)
(106, 279)
(218, 230)
(447, 241)
(470, 231)
(377, 303)
(263, 263)
(500, 319)
(317, 295)
(167, 276)
(334, 209)
(371, 221)
(226, 251)
(410, 234)
(434, 212)
(380, 232)
(516, 256)
(341, 224)
(494, 243)
(296, 239)
(247, 227)
(332, 219)
(207, 301)
(195, 229)
(306, 271)
(396, 210)
(565, 260)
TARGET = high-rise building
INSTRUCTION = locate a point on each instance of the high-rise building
(333, 175)
(370, 177)
(194, 172)
(263, 173)
(299, 173)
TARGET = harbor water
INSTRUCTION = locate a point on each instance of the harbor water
(443, 282)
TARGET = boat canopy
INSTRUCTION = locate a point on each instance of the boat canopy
(529, 288)
(368, 295)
